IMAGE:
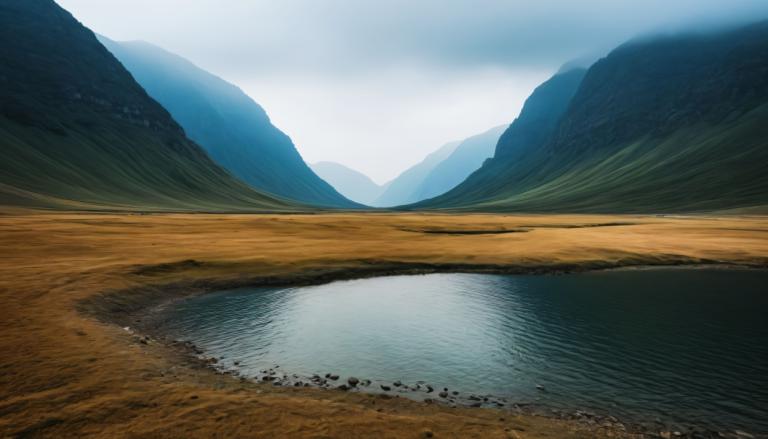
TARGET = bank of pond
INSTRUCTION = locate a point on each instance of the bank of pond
(660, 349)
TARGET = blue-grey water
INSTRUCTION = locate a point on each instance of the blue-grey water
(686, 347)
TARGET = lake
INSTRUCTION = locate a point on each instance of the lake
(677, 346)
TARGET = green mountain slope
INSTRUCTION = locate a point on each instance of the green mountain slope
(234, 130)
(693, 169)
(669, 124)
(77, 131)
(352, 184)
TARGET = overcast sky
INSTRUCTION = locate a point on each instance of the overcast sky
(376, 85)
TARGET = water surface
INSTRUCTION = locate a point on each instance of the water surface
(681, 346)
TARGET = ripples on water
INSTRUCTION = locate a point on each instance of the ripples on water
(687, 346)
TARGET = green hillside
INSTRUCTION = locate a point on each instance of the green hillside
(233, 129)
(77, 131)
(669, 124)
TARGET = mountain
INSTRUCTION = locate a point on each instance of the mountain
(352, 184)
(401, 190)
(234, 130)
(76, 130)
(441, 170)
(468, 156)
(666, 124)
(534, 126)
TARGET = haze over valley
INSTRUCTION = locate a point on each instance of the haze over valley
(383, 219)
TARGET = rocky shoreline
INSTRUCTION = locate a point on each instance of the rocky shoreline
(148, 328)
(428, 394)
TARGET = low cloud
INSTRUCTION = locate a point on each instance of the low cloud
(384, 78)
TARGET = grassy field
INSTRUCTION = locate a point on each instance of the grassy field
(68, 372)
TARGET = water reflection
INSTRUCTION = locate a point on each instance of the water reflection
(683, 345)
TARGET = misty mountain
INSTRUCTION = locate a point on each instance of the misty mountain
(401, 190)
(535, 125)
(663, 124)
(468, 156)
(441, 170)
(234, 130)
(352, 184)
(76, 130)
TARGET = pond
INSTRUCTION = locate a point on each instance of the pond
(677, 346)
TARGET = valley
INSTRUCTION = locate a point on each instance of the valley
(505, 231)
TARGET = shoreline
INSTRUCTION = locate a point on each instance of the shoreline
(119, 306)
(69, 283)
(148, 313)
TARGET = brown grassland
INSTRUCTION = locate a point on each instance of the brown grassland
(68, 369)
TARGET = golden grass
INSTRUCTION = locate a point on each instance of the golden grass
(63, 373)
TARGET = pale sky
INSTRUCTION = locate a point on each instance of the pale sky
(377, 85)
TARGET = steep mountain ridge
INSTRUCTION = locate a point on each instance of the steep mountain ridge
(77, 131)
(663, 124)
(233, 129)
(523, 138)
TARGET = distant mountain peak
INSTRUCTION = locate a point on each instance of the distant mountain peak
(349, 182)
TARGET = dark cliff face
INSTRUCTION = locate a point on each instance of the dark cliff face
(53, 70)
(76, 128)
(540, 115)
(673, 123)
(234, 130)
(655, 86)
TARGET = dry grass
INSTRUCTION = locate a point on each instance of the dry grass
(66, 374)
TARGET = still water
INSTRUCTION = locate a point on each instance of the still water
(686, 347)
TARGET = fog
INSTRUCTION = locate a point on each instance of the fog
(378, 85)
